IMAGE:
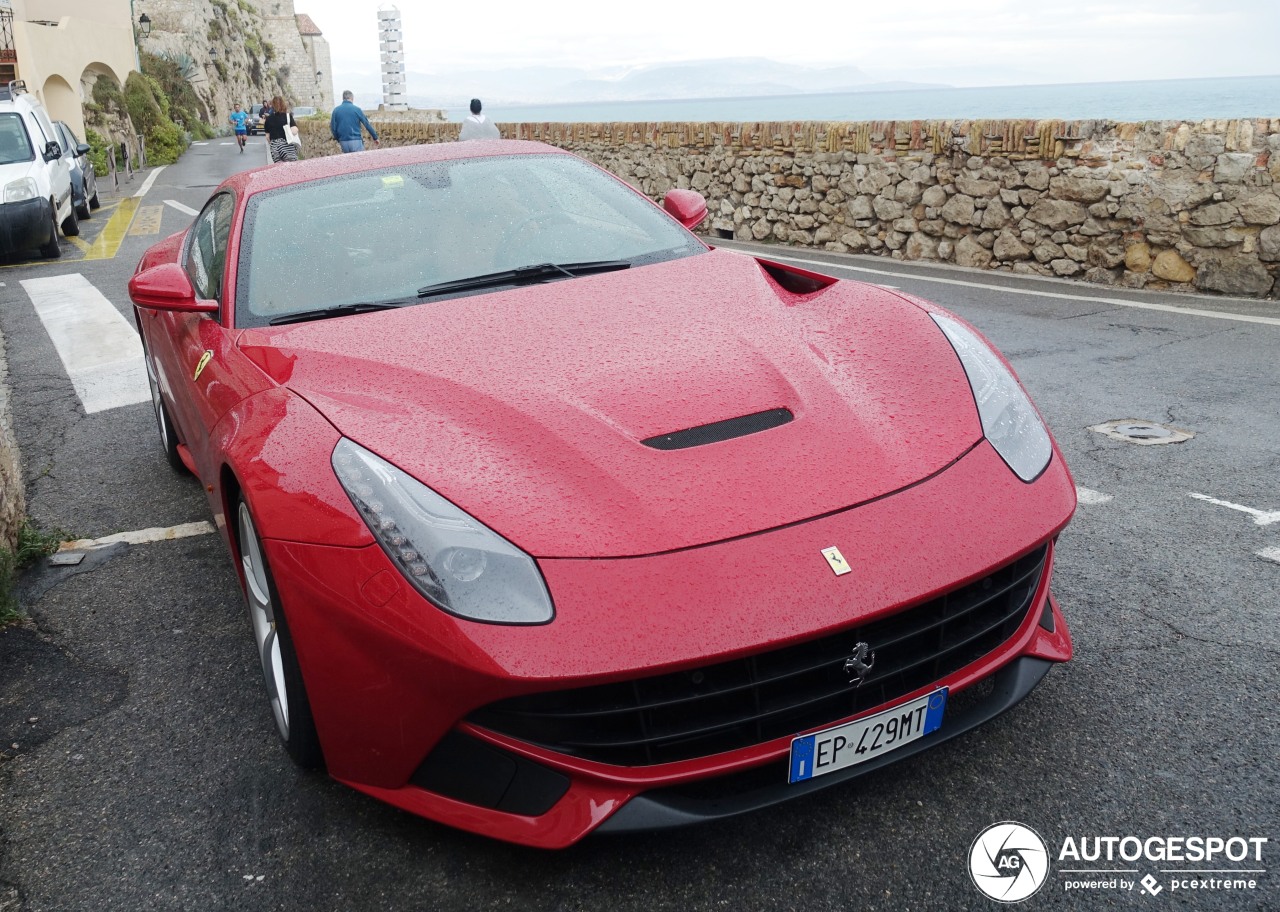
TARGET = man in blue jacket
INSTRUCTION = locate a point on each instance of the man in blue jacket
(345, 123)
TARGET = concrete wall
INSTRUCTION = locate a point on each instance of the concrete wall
(1184, 206)
(87, 38)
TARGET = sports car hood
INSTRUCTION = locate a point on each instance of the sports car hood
(530, 408)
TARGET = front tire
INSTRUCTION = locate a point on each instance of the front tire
(168, 437)
(280, 670)
(71, 224)
(52, 250)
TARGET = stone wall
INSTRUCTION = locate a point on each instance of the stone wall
(12, 502)
(1169, 204)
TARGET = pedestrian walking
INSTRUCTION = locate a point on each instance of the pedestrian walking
(345, 123)
(477, 125)
(240, 123)
(280, 127)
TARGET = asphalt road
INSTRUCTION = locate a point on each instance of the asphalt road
(140, 768)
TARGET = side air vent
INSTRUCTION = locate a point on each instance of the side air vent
(721, 430)
(794, 279)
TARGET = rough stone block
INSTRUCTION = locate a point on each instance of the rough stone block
(1238, 275)
(1170, 266)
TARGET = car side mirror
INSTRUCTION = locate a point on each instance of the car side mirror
(82, 149)
(52, 151)
(167, 287)
(686, 206)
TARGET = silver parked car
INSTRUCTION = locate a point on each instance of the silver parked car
(84, 183)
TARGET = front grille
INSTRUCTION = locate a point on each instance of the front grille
(735, 704)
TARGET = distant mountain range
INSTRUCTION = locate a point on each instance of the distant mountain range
(731, 78)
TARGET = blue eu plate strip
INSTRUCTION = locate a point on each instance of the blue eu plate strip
(933, 716)
(802, 759)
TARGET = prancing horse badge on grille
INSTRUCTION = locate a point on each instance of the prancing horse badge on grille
(858, 665)
(836, 560)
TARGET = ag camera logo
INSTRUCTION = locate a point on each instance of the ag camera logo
(1008, 862)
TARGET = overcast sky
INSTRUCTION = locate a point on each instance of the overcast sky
(960, 42)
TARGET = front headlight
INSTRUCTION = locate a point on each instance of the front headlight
(454, 560)
(1009, 420)
(24, 188)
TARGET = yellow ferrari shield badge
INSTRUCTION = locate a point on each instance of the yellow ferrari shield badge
(836, 560)
(206, 357)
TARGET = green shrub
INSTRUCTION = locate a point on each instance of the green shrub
(165, 144)
(140, 99)
(97, 151)
(106, 94)
(172, 81)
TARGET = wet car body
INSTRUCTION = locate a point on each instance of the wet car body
(84, 180)
(663, 454)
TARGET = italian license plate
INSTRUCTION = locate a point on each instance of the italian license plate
(857, 742)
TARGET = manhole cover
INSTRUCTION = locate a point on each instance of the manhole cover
(1144, 433)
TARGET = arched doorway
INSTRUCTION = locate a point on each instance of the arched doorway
(63, 103)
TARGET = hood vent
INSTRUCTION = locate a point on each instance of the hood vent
(720, 430)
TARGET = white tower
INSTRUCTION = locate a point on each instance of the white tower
(391, 42)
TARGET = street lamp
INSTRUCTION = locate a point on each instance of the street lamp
(144, 25)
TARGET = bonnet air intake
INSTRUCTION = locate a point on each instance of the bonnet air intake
(721, 430)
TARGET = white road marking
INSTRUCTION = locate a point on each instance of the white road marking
(1271, 554)
(1089, 496)
(141, 536)
(1261, 517)
(186, 210)
(99, 349)
(1114, 302)
(151, 179)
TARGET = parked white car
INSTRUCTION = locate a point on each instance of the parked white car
(35, 181)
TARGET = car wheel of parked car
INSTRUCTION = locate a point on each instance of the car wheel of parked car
(168, 438)
(82, 211)
(94, 203)
(288, 696)
(71, 224)
(52, 250)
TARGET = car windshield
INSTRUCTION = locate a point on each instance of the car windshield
(380, 236)
(15, 146)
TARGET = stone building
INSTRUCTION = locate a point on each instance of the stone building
(301, 53)
(318, 51)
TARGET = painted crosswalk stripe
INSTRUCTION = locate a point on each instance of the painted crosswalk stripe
(99, 349)
(1271, 554)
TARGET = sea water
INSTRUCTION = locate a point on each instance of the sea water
(1169, 99)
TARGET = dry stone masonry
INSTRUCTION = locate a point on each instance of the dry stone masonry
(1187, 206)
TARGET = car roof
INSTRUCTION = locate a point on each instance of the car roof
(271, 177)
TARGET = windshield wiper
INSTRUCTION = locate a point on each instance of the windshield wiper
(339, 310)
(522, 275)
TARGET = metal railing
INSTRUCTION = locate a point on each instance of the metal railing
(125, 150)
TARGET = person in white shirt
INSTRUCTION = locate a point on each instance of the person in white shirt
(477, 126)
